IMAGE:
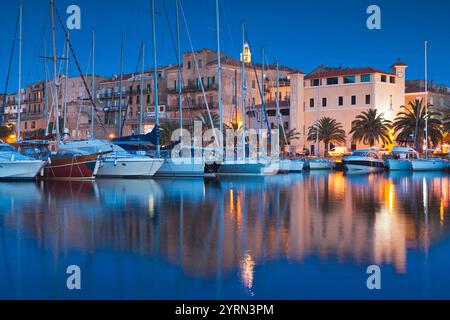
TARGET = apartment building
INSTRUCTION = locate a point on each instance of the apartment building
(35, 101)
(32, 107)
(109, 102)
(342, 94)
(201, 67)
(438, 95)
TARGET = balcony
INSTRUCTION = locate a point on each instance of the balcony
(193, 88)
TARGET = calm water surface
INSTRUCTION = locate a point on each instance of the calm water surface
(304, 236)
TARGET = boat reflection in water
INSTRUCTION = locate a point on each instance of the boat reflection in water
(287, 236)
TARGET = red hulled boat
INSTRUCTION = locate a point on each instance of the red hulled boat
(62, 164)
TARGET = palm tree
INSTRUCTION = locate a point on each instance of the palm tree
(167, 129)
(327, 130)
(446, 120)
(6, 131)
(370, 128)
(410, 125)
(287, 136)
(206, 122)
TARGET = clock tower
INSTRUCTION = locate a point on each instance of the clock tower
(399, 68)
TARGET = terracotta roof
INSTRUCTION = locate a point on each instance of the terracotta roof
(327, 72)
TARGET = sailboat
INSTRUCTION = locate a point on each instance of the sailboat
(116, 162)
(179, 167)
(245, 166)
(15, 166)
(61, 163)
(286, 165)
(427, 164)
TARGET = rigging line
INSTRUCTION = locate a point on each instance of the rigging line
(259, 89)
(81, 73)
(88, 67)
(9, 71)
(228, 27)
(124, 118)
(170, 30)
(175, 47)
(277, 101)
(219, 142)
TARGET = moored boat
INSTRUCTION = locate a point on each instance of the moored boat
(62, 164)
(321, 164)
(15, 166)
(117, 162)
(429, 164)
(248, 167)
(291, 166)
(366, 161)
(401, 159)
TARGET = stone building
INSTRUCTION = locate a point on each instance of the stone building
(342, 94)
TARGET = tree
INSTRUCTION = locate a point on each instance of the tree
(446, 120)
(286, 137)
(206, 122)
(291, 135)
(166, 130)
(328, 130)
(410, 125)
(6, 131)
(370, 128)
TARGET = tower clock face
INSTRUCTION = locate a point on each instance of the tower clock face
(400, 74)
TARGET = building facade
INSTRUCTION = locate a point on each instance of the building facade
(342, 94)
(201, 67)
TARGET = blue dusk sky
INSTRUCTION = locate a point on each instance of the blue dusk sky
(301, 34)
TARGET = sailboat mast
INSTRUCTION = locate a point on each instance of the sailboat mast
(263, 53)
(55, 71)
(93, 84)
(155, 79)
(279, 123)
(65, 84)
(19, 97)
(141, 105)
(180, 101)
(46, 89)
(243, 87)
(121, 87)
(426, 99)
(219, 67)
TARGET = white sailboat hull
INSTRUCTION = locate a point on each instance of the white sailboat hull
(363, 168)
(20, 169)
(287, 166)
(248, 168)
(428, 165)
(181, 168)
(398, 164)
(129, 167)
(321, 165)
